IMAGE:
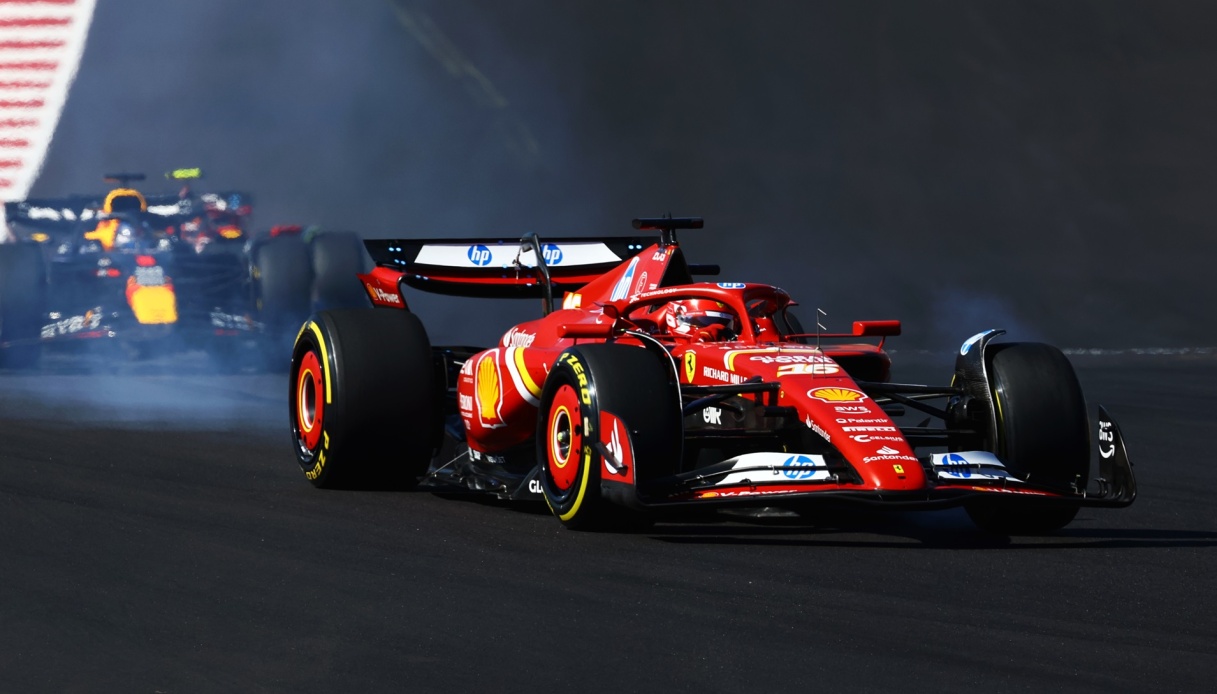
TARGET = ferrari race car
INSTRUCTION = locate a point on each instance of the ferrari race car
(147, 270)
(646, 393)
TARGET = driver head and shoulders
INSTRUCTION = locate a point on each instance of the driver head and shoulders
(698, 320)
(113, 230)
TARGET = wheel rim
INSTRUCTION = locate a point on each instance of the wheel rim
(310, 401)
(564, 439)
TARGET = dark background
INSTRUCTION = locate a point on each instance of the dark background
(1039, 166)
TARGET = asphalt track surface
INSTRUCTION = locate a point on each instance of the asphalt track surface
(156, 536)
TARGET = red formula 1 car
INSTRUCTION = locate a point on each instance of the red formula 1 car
(647, 392)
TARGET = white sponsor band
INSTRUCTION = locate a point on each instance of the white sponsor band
(504, 255)
(761, 468)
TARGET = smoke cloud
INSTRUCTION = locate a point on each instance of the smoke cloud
(1039, 166)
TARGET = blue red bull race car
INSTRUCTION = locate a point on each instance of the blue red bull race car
(153, 272)
(644, 393)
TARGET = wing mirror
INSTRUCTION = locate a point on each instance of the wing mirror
(876, 328)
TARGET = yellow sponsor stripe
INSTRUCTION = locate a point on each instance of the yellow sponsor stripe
(730, 358)
(529, 384)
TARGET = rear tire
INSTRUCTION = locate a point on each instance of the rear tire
(635, 386)
(337, 257)
(363, 399)
(1043, 436)
(23, 290)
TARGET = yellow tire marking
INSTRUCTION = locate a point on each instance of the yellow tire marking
(587, 462)
(588, 432)
(325, 361)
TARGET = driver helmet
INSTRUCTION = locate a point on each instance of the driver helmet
(124, 200)
(704, 318)
(126, 236)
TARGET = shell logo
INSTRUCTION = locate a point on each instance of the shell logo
(836, 395)
(488, 393)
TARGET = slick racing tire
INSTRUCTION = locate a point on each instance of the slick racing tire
(283, 272)
(637, 388)
(364, 399)
(337, 257)
(23, 289)
(1042, 435)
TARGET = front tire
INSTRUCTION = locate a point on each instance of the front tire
(1042, 436)
(629, 383)
(363, 399)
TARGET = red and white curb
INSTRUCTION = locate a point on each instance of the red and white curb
(41, 42)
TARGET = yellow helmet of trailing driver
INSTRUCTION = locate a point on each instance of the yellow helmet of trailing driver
(124, 200)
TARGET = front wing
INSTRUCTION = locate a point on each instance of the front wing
(781, 479)
(799, 481)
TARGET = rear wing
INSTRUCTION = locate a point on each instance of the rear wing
(73, 208)
(51, 210)
(46, 218)
(63, 214)
(503, 267)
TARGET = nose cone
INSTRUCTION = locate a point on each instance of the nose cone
(849, 419)
(827, 400)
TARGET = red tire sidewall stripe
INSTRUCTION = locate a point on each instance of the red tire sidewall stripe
(310, 374)
(565, 406)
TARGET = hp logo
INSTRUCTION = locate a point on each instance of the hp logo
(799, 467)
(552, 254)
(479, 255)
(960, 463)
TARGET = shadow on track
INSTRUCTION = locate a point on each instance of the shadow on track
(938, 530)
(949, 529)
